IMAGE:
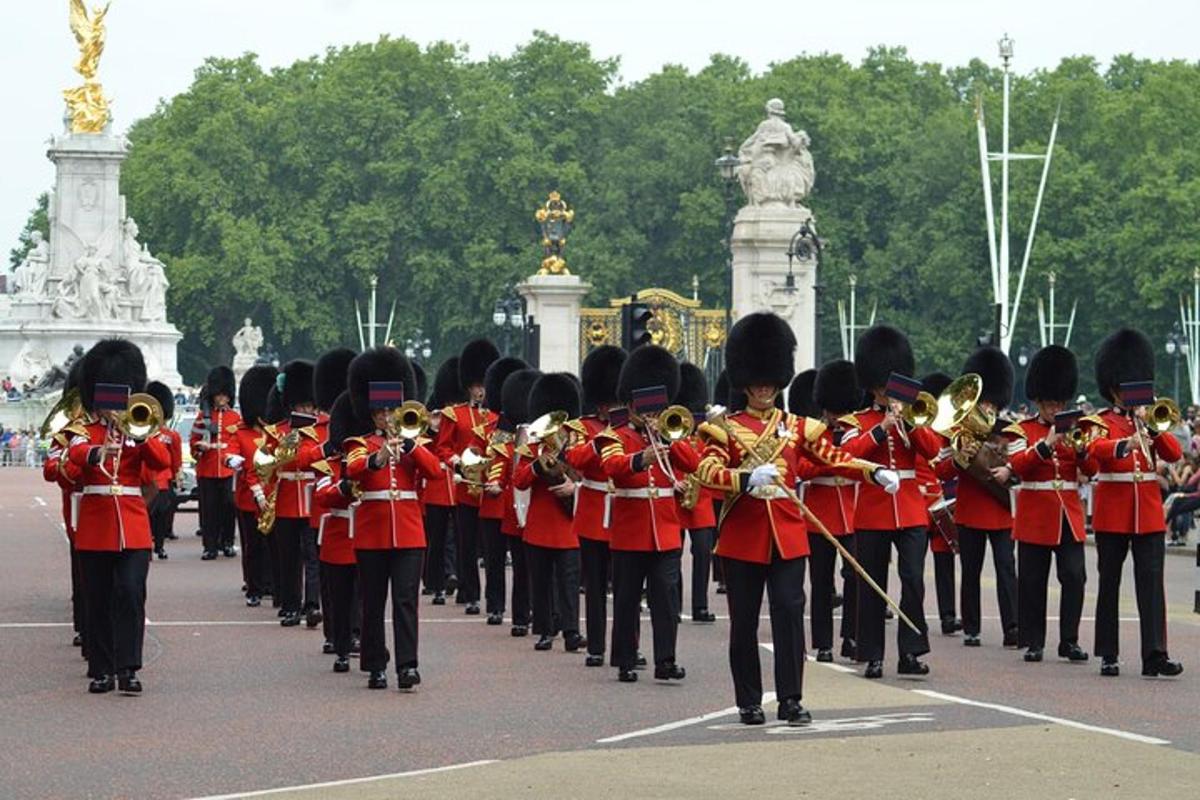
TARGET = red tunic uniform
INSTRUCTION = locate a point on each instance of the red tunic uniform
(876, 510)
(1127, 498)
(218, 429)
(931, 490)
(111, 510)
(764, 519)
(592, 499)
(389, 516)
(976, 506)
(828, 493)
(643, 515)
(509, 524)
(491, 506)
(312, 453)
(334, 533)
(162, 478)
(58, 468)
(1049, 488)
(464, 425)
(547, 523)
(244, 444)
(295, 484)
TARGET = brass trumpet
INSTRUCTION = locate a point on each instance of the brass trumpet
(68, 409)
(1163, 415)
(674, 423)
(409, 421)
(142, 417)
(920, 413)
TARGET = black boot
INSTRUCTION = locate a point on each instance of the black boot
(752, 715)
(1033, 654)
(825, 655)
(1160, 665)
(626, 675)
(669, 671)
(1110, 668)
(128, 682)
(950, 626)
(341, 664)
(791, 712)
(101, 685)
(911, 665)
(574, 642)
(544, 642)
(874, 670)
(407, 678)
(1072, 651)
(377, 680)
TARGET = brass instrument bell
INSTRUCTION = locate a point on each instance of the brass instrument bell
(409, 421)
(1163, 415)
(142, 417)
(68, 408)
(921, 412)
(958, 409)
(674, 423)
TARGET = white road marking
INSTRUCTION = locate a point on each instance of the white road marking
(768, 697)
(39, 500)
(348, 781)
(1020, 712)
(836, 726)
(35, 624)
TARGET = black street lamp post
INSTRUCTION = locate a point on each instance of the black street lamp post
(509, 316)
(727, 166)
(805, 246)
(417, 347)
(1176, 346)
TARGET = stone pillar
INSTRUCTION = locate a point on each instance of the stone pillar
(554, 302)
(761, 236)
(86, 207)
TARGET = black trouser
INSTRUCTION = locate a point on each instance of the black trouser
(289, 533)
(972, 543)
(659, 572)
(78, 598)
(874, 551)
(115, 583)
(1148, 553)
(702, 547)
(338, 582)
(1033, 572)
(554, 575)
(161, 510)
(824, 564)
(256, 557)
(216, 521)
(496, 549)
(784, 582)
(312, 568)
(943, 581)
(1184, 505)
(594, 564)
(466, 527)
(401, 569)
(273, 567)
(437, 521)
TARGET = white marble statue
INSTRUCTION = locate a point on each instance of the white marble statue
(30, 277)
(776, 166)
(247, 341)
(131, 251)
(90, 291)
(148, 286)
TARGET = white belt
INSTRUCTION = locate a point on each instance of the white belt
(907, 474)
(644, 494)
(127, 491)
(389, 494)
(595, 486)
(218, 446)
(1047, 486)
(340, 513)
(296, 476)
(1126, 477)
(830, 481)
(768, 492)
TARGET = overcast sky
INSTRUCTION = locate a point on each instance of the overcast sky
(155, 45)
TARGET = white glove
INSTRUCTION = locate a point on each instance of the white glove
(889, 479)
(235, 462)
(713, 412)
(763, 475)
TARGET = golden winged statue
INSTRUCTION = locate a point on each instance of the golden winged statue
(87, 105)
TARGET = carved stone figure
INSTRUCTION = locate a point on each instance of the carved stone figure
(30, 277)
(148, 286)
(89, 292)
(247, 341)
(54, 377)
(776, 165)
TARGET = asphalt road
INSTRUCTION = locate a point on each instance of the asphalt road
(236, 704)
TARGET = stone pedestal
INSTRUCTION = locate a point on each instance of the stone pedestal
(761, 235)
(87, 206)
(554, 302)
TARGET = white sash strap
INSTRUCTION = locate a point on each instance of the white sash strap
(595, 486)
(75, 498)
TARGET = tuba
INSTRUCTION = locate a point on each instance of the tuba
(68, 409)
(142, 417)
(969, 429)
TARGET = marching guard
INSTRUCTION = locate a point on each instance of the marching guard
(161, 505)
(293, 486)
(514, 405)
(249, 494)
(695, 501)
(438, 495)
(213, 430)
(58, 469)
(943, 533)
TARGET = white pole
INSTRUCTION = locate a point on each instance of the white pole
(841, 307)
(1042, 330)
(989, 210)
(358, 318)
(874, 308)
(1071, 324)
(853, 319)
(1194, 345)
(1005, 335)
(387, 336)
(371, 310)
(1052, 282)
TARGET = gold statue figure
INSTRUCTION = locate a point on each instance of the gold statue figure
(87, 105)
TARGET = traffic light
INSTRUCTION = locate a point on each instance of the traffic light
(635, 324)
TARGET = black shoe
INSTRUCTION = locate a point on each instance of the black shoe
(640, 661)
(669, 671)
(1033, 654)
(228, 552)
(327, 648)
(290, 620)
(472, 609)
(495, 619)
(594, 661)
(160, 554)
(101, 685)
(78, 640)
(911, 665)
(574, 642)
(128, 683)
(887, 614)
(313, 618)
(971, 640)
(1011, 640)
(825, 655)
(720, 588)
(837, 601)
(544, 642)
(1109, 668)
(1072, 651)
(377, 680)
(253, 601)
(951, 626)
(341, 664)
(752, 715)
(874, 669)
(439, 598)
(173, 535)
(452, 584)
(425, 590)
(407, 678)
(625, 675)
(703, 615)
(849, 650)
(791, 712)
(208, 555)
(1160, 665)
(519, 630)
(355, 646)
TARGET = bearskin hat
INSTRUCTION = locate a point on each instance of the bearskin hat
(936, 382)
(273, 411)
(165, 397)
(329, 376)
(1053, 374)
(761, 350)
(600, 372)
(554, 391)
(220, 380)
(73, 375)
(343, 422)
(476, 356)
(493, 380)
(800, 399)
(880, 351)
(111, 361)
(252, 393)
(1123, 357)
(648, 365)
(836, 388)
(378, 364)
(693, 388)
(991, 364)
(514, 395)
(446, 388)
(721, 390)
(295, 382)
(422, 380)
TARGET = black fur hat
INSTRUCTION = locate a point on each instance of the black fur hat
(378, 364)
(600, 372)
(446, 388)
(220, 380)
(761, 350)
(493, 380)
(880, 351)
(273, 412)
(693, 388)
(1053, 374)
(936, 382)
(991, 364)
(252, 393)
(116, 361)
(648, 365)
(476, 356)
(836, 389)
(422, 381)
(297, 384)
(1123, 357)
(73, 375)
(554, 391)
(800, 399)
(514, 395)
(721, 390)
(329, 376)
(165, 397)
(343, 422)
